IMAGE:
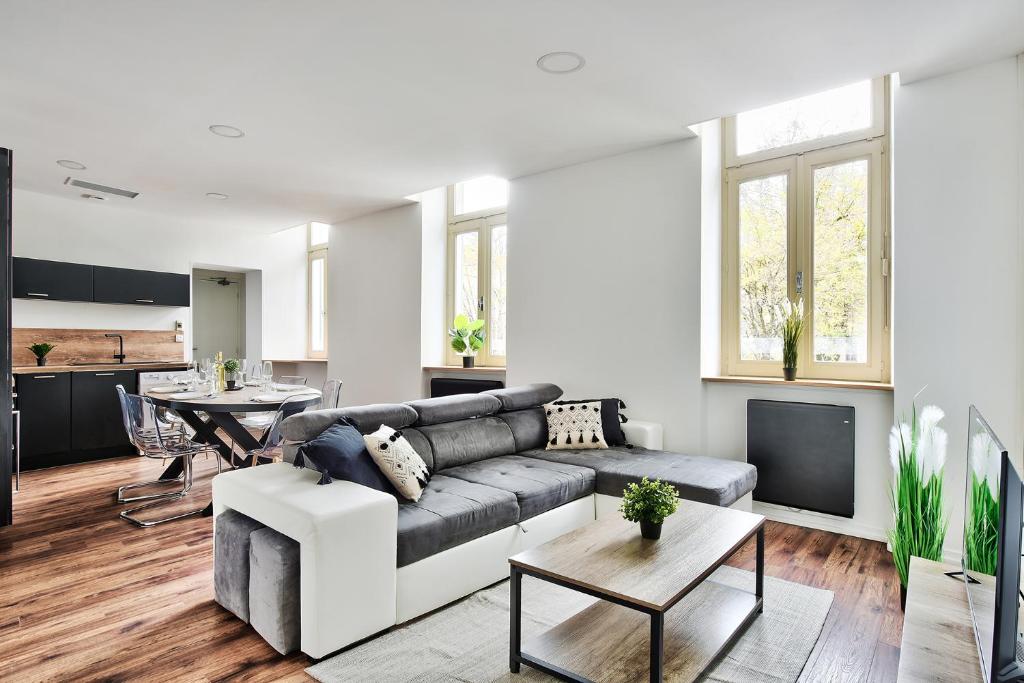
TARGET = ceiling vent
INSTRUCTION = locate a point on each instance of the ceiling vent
(86, 185)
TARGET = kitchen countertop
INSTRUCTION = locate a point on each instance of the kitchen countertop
(142, 366)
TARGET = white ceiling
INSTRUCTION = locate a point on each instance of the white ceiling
(349, 106)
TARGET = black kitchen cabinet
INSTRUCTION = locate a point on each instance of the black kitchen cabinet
(51, 280)
(44, 400)
(95, 410)
(127, 286)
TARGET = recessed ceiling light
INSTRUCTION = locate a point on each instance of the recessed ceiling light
(226, 131)
(217, 195)
(86, 195)
(561, 62)
(73, 165)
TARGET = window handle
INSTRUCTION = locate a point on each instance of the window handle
(480, 304)
(799, 282)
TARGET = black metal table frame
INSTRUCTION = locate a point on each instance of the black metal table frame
(518, 657)
(206, 432)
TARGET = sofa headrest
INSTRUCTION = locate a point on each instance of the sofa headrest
(308, 425)
(526, 396)
(442, 409)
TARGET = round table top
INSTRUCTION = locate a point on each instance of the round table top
(240, 401)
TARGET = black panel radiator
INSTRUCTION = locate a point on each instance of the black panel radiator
(803, 453)
(448, 386)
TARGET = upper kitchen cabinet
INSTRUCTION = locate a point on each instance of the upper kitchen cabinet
(52, 280)
(126, 286)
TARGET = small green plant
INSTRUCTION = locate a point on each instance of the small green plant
(231, 365)
(40, 349)
(649, 501)
(792, 329)
(467, 336)
(918, 454)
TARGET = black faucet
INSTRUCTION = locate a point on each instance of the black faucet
(120, 347)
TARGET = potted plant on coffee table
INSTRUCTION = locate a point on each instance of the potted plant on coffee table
(40, 349)
(792, 329)
(231, 367)
(467, 337)
(649, 503)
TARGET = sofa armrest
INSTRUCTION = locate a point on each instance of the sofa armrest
(644, 434)
(342, 600)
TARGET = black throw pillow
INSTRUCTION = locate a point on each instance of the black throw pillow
(339, 452)
(611, 419)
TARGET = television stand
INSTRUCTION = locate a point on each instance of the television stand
(938, 637)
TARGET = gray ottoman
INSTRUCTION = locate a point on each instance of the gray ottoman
(231, 561)
(274, 609)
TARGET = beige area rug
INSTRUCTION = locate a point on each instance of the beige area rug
(467, 642)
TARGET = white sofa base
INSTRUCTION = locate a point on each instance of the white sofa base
(447, 576)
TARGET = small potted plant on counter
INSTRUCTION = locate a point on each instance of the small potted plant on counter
(649, 503)
(40, 349)
(231, 367)
(792, 330)
(467, 337)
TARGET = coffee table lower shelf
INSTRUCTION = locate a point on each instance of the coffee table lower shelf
(609, 642)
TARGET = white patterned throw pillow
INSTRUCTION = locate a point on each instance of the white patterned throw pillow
(575, 426)
(398, 461)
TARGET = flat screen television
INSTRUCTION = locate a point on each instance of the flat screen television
(992, 551)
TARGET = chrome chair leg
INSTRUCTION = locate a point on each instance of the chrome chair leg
(186, 470)
(121, 499)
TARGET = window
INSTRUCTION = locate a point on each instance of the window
(477, 256)
(316, 273)
(806, 217)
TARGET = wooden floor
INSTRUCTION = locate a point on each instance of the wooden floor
(85, 596)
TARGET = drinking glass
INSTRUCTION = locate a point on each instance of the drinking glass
(255, 373)
(268, 374)
(243, 365)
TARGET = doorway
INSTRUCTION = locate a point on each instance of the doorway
(218, 313)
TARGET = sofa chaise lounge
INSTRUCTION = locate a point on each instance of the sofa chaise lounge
(362, 561)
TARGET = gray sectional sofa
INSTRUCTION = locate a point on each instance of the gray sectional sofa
(495, 490)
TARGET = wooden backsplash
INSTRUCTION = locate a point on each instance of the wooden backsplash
(90, 346)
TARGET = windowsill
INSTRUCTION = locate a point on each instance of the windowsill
(298, 360)
(814, 383)
(458, 368)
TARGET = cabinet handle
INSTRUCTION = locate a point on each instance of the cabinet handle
(143, 301)
(104, 374)
(43, 376)
(36, 294)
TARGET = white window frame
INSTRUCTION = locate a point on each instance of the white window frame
(799, 168)
(313, 253)
(879, 118)
(480, 222)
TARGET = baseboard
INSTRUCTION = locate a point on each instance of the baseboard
(818, 520)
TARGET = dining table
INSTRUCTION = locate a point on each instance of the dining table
(205, 413)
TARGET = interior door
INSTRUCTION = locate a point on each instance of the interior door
(217, 319)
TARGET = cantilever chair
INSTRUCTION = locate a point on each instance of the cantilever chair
(331, 394)
(273, 438)
(161, 442)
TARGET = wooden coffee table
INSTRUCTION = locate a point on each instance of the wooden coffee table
(609, 560)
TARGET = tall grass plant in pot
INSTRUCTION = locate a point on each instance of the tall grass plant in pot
(793, 320)
(917, 451)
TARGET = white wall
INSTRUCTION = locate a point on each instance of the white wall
(434, 208)
(956, 254)
(111, 234)
(374, 279)
(604, 283)
(605, 299)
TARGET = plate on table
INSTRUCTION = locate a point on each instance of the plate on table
(279, 397)
(165, 390)
(190, 395)
(282, 388)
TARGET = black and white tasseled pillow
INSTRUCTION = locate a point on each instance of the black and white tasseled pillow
(574, 426)
(398, 461)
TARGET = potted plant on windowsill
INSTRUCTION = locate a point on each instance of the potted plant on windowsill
(649, 503)
(231, 367)
(40, 349)
(792, 329)
(467, 337)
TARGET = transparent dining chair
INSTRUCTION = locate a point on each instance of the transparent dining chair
(292, 379)
(145, 441)
(330, 394)
(273, 439)
(167, 445)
